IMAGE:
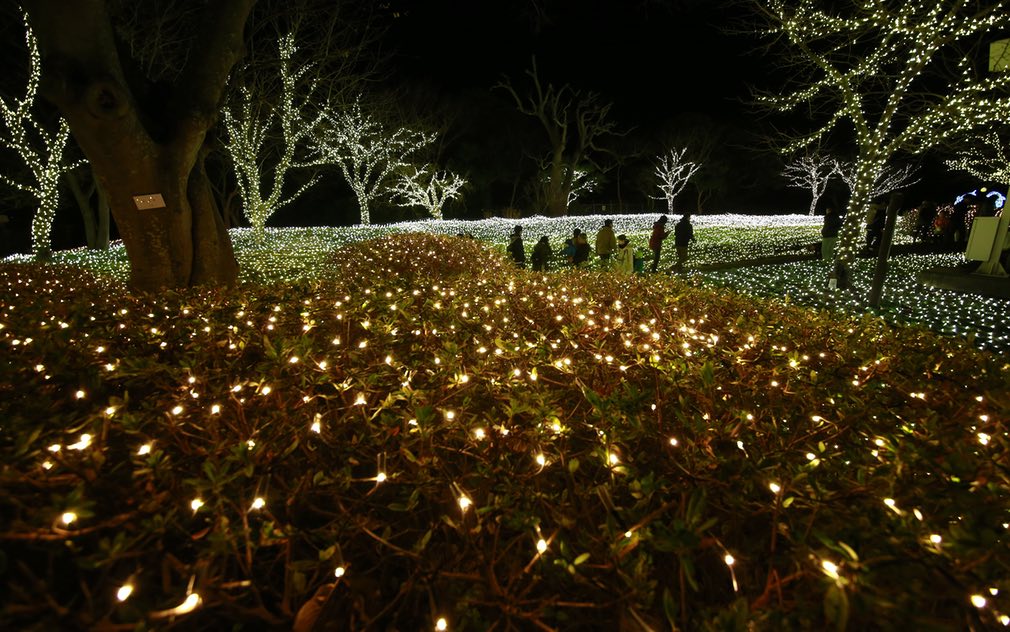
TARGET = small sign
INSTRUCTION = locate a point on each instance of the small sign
(152, 200)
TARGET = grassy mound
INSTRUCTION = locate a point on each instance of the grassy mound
(430, 434)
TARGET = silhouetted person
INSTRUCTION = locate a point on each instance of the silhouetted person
(683, 234)
(582, 250)
(541, 254)
(516, 249)
(829, 232)
(659, 233)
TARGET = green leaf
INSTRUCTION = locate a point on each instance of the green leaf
(836, 607)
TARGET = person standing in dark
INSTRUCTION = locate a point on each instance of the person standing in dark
(606, 243)
(541, 255)
(582, 250)
(659, 233)
(516, 249)
(829, 233)
(924, 221)
(683, 234)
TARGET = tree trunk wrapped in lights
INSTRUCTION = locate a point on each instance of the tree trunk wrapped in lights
(250, 122)
(902, 74)
(40, 148)
(147, 153)
(368, 152)
(674, 172)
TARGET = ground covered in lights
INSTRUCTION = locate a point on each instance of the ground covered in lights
(437, 441)
(305, 253)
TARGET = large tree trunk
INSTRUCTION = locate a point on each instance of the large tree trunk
(137, 153)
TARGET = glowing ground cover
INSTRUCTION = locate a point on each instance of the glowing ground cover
(440, 441)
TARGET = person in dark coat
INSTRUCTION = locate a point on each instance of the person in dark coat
(541, 255)
(829, 233)
(582, 250)
(516, 249)
(659, 233)
(683, 234)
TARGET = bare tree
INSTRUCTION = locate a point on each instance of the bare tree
(40, 148)
(428, 188)
(886, 69)
(674, 171)
(368, 152)
(573, 122)
(147, 142)
(812, 172)
(985, 157)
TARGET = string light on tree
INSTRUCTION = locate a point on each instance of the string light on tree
(674, 171)
(39, 148)
(886, 89)
(428, 188)
(812, 172)
(368, 151)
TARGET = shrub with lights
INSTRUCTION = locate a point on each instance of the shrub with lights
(439, 441)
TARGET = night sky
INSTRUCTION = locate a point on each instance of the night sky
(649, 58)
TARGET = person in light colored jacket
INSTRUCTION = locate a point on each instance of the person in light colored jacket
(606, 243)
(624, 259)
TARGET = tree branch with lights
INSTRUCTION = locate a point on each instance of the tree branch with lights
(985, 157)
(882, 68)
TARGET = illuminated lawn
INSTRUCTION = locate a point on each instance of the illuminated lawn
(434, 436)
(304, 254)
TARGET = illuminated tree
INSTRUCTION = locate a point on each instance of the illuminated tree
(891, 178)
(427, 188)
(249, 122)
(812, 172)
(902, 74)
(574, 122)
(674, 171)
(40, 148)
(146, 140)
(368, 152)
(985, 157)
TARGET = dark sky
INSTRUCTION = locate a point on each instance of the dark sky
(650, 57)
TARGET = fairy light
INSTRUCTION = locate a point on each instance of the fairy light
(144, 449)
(936, 538)
(830, 568)
(339, 572)
(441, 624)
(195, 504)
(124, 592)
(82, 443)
(775, 487)
(978, 601)
(68, 517)
(541, 546)
(258, 503)
(464, 503)
(380, 477)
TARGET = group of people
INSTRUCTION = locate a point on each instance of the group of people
(614, 251)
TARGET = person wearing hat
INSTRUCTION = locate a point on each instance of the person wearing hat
(606, 243)
(659, 233)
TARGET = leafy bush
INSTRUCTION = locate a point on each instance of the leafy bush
(461, 440)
